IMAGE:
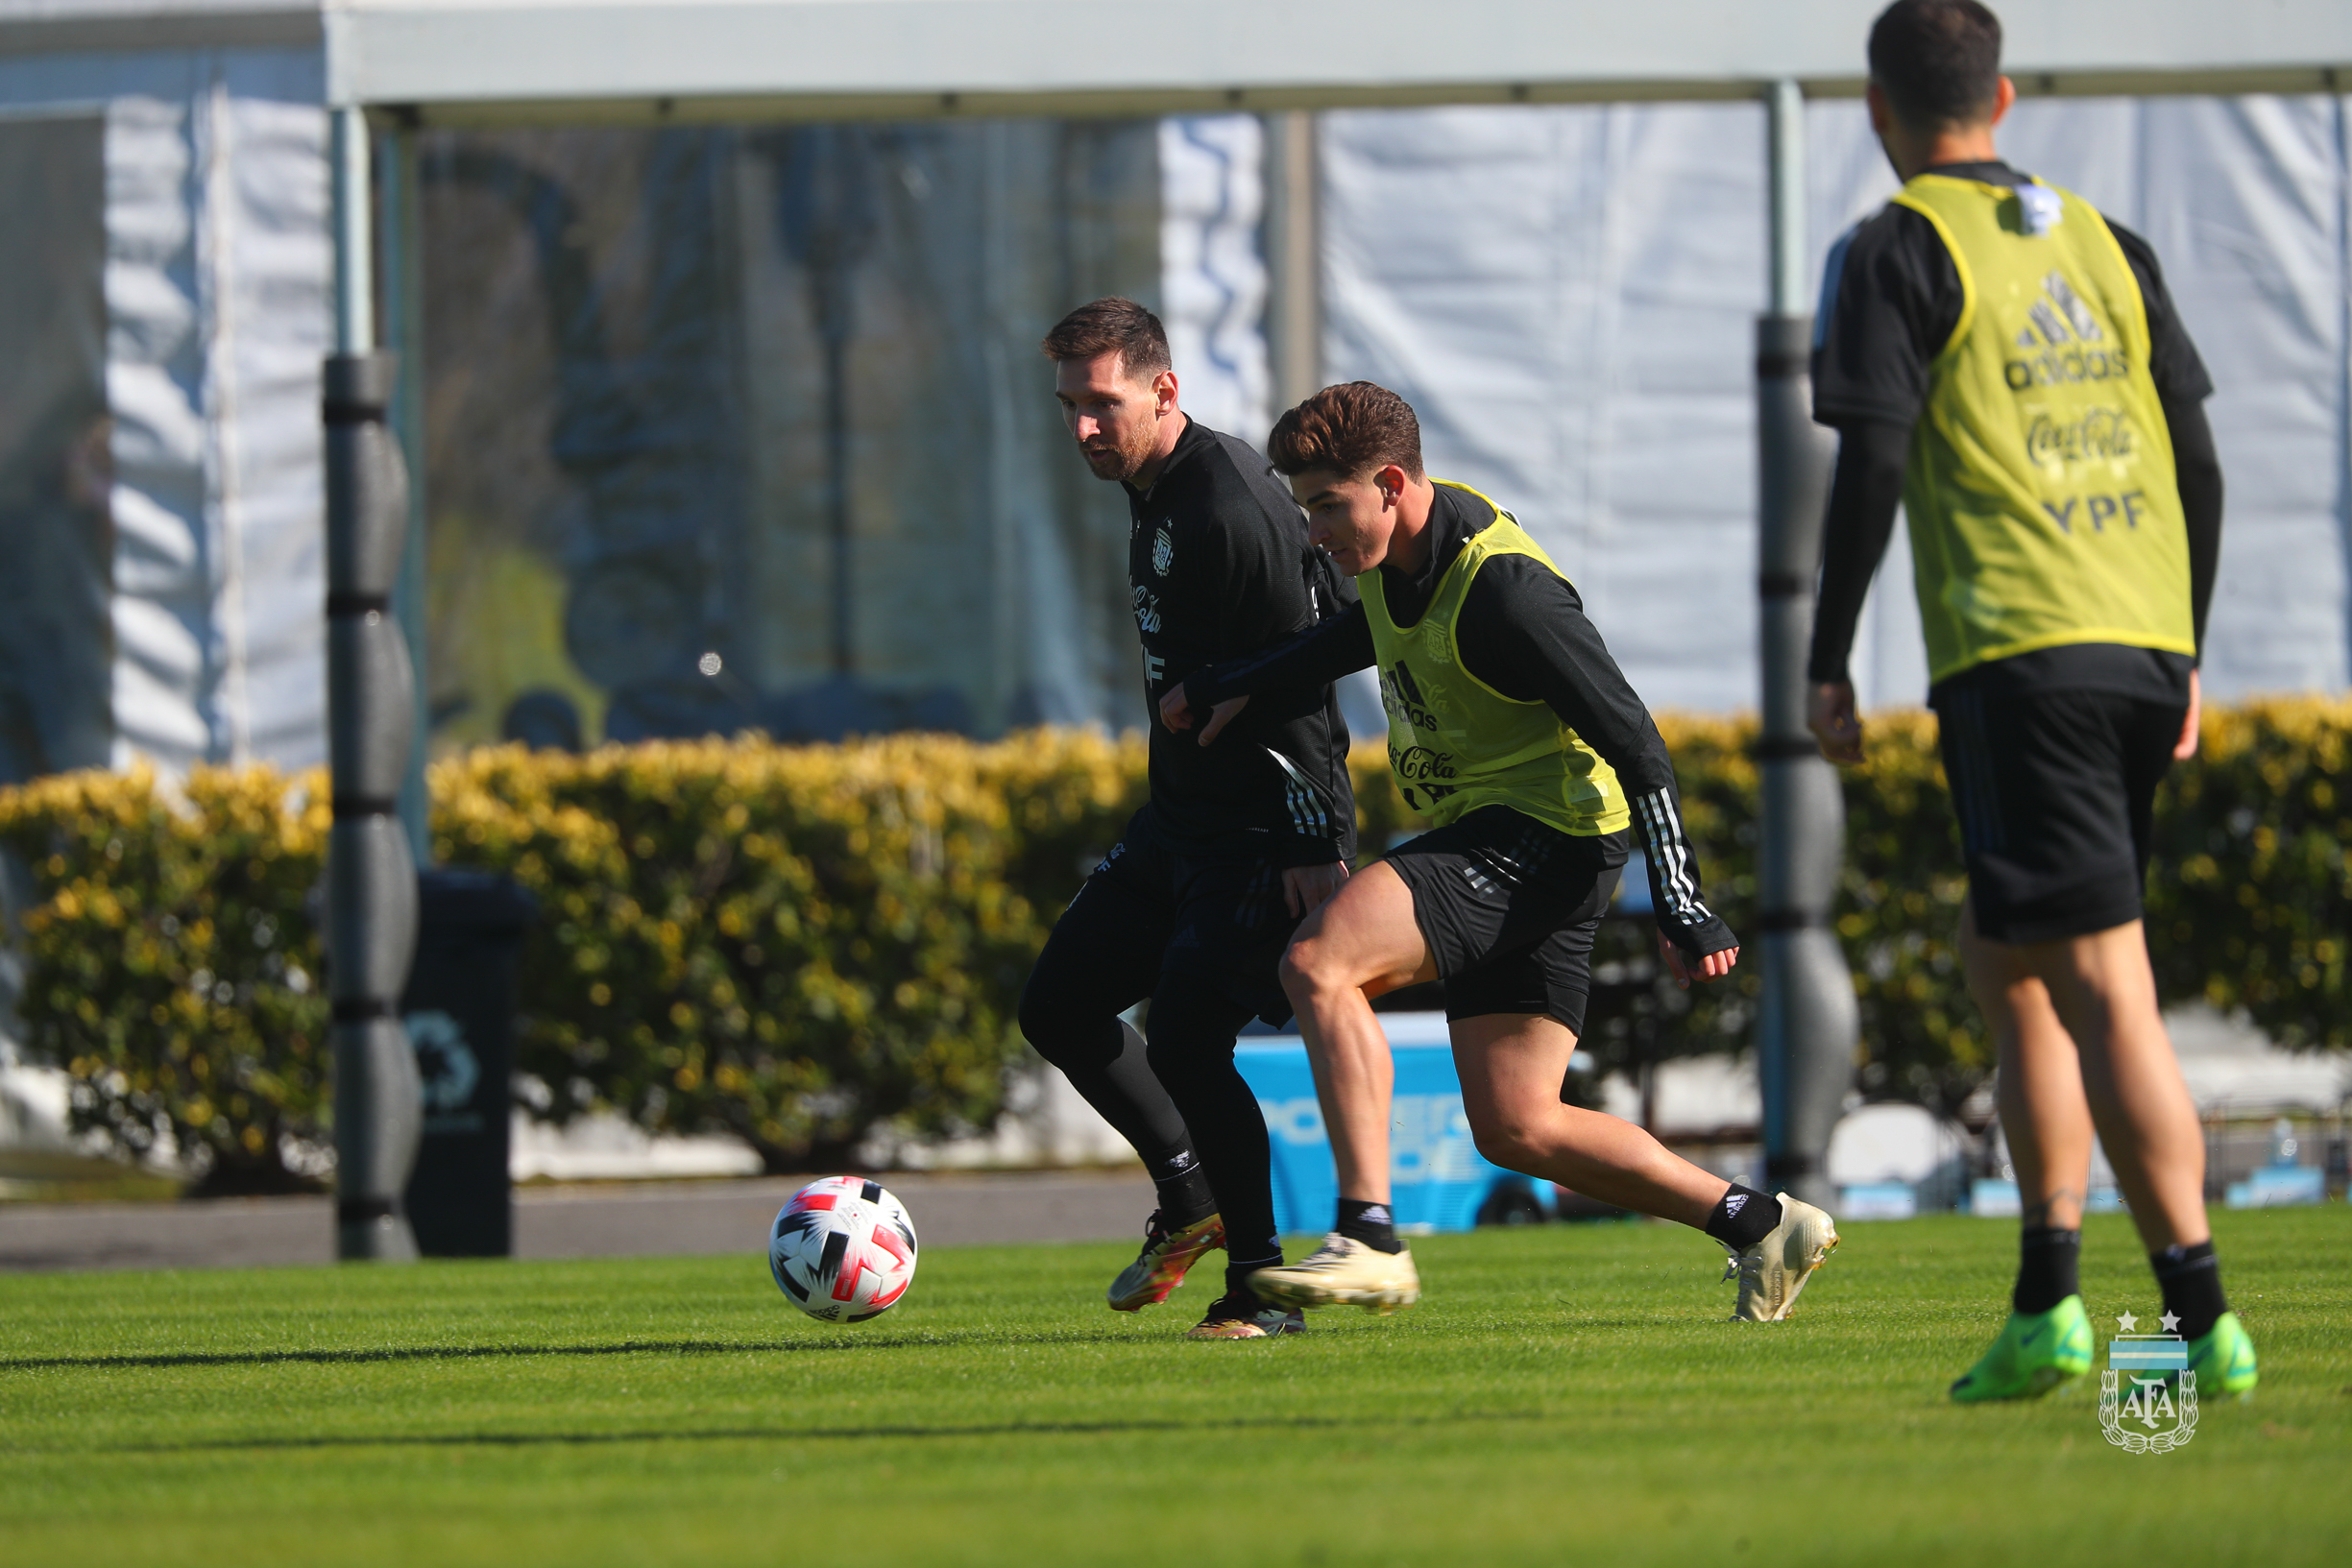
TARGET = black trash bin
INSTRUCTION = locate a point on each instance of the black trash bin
(460, 1011)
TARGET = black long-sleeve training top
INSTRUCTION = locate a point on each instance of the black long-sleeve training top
(1523, 631)
(1892, 300)
(1218, 566)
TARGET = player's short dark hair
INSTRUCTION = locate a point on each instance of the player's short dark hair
(1112, 327)
(1348, 429)
(1938, 61)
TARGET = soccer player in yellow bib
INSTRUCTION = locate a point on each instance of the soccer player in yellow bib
(1514, 734)
(2004, 361)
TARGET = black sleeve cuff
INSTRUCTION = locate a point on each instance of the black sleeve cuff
(1698, 941)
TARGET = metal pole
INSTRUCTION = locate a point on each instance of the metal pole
(1294, 260)
(354, 246)
(404, 336)
(1808, 1024)
(371, 717)
(834, 330)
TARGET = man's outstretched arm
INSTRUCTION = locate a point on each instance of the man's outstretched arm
(1315, 657)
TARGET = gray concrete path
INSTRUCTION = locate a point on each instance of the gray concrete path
(586, 1220)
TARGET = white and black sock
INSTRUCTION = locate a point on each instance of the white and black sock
(1743, 1217)
(1183, 1187)
(1371, 1224)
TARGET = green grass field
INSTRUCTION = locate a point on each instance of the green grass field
(1564, 1395)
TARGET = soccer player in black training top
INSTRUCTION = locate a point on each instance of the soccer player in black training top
(2005, 362)
(1514, 734)
(1192, 907)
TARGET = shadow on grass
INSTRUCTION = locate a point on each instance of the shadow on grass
(459, 1353)
(723, 1434)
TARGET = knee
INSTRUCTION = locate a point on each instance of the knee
(1305, 970)
(1508, 1146)
(1512, 1138)
(1045, 1019)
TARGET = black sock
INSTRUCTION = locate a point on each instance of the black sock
(1184, 1195)
(1192, 1056)
(2191, 1279)
(1370, 1223)
(2049, 1261)
(1742, 1218)
(1237, 1274)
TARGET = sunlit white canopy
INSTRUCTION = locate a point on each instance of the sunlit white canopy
(464, 60)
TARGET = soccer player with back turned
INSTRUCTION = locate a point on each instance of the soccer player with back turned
(1192, 907)
(1514, 735)
(2005, 362)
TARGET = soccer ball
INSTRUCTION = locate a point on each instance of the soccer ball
(842, 1249)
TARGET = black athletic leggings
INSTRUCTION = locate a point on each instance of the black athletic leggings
(1105, 954)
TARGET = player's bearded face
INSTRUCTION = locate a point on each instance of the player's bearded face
(1113, 417)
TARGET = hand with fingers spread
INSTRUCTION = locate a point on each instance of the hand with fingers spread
(1176, 712)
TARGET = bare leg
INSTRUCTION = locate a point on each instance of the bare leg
(1512, 1065)
(2103, 988)
(1364, 939)
(2082, 1042)
(2039, 1090)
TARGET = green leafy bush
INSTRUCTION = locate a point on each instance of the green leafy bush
(797, 944)
(789, 944)
(2250, 907)
(172, 962)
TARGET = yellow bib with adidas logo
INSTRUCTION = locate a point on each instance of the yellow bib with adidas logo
(2040, 492)
(1456, 743)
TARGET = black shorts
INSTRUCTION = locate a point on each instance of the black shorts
(1215, 923)
(1509, 906)
(2054, 790)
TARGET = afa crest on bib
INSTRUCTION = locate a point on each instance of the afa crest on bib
(1163, 552)
(2148, 1395)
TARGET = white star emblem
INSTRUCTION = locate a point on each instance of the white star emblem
(2128, 1321)
(2170, 1322)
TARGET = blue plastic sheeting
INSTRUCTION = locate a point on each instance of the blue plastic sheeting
(1438, 1179)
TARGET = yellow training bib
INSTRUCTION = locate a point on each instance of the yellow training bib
(2040, 493)
(1454, 741)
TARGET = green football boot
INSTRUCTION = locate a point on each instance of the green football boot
(2036, 1352)
(2226, 1356)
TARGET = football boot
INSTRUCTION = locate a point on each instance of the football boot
(1237, 1315)
(1343, 1272)
(2035, 1353)
(1161, 1265)
(1774, 1271)
(2225, 1355)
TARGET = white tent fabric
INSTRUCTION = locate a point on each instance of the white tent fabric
(1213, 270)
(1566, 295)
(216, 277)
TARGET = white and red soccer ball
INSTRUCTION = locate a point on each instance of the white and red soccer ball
(842, 1250)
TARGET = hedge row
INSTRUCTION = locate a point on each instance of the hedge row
(791, 944)
(795, 944)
